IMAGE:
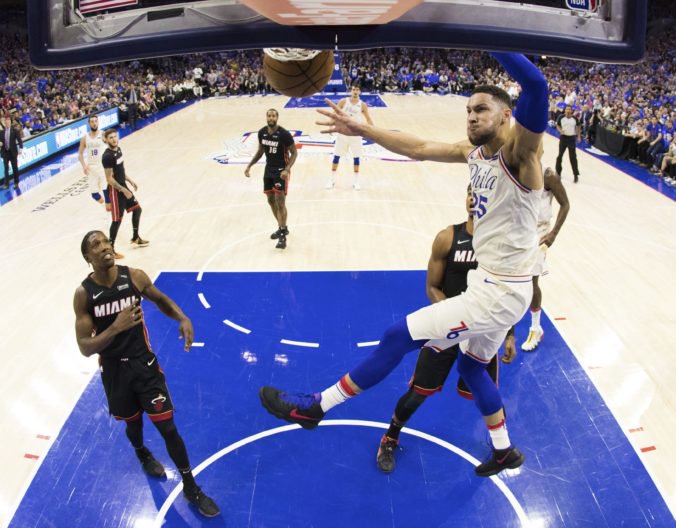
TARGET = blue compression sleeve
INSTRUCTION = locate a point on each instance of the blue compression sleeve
(106, 197)
(96, 196)
(394, 345)
(486, 394)
(533, 105)
(336, 159)
(356, 161)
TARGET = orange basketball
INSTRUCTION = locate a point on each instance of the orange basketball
(297, 73)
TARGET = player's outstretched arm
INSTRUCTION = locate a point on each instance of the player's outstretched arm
(400, 142)
(522, 147)
(166, 305)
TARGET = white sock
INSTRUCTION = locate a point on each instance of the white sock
(535, 318)
(332, 179)
(335, 395)
(499, 435)
(356, 177)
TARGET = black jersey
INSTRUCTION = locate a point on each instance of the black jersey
(103, 304)
(112, 159)
(459, 261)
(276, 146)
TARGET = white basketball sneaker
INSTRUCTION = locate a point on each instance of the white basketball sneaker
(535, 336)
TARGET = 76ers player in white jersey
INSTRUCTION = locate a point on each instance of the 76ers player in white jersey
(553, 188)
(358, 110)
(506, 183)
(92, 143)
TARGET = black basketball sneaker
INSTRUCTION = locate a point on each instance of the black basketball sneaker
(302, 409)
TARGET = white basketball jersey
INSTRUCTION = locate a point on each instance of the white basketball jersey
(505, 216)
(95, 147)
(354, 110)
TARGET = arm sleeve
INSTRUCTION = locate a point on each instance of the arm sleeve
(531, 109)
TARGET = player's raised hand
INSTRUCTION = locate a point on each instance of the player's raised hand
(338, 121)
(186, 332)
(129, 317)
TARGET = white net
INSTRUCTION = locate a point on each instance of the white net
(291, 54)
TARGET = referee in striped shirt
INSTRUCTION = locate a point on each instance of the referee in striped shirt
(569, 129)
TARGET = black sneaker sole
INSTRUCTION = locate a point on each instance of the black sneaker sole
(305, 424)
(512, 465)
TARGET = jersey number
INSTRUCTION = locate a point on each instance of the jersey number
(273, 150)
(479, 205)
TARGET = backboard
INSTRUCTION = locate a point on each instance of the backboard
(75, 33)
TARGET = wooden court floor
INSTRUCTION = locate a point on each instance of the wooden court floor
(611, 287)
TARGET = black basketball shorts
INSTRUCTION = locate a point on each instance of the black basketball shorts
(273, 182)
(136, 385)
(433, 367)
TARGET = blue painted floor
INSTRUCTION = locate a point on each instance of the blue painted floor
(580, 469)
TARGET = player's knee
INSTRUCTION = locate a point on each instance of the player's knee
(116, 223)
(394, 334)
(470, 369)
(166, 427)
(336, 160)
(415, 399)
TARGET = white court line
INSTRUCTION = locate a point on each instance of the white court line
(299, 343)
(199, 345)
(203, 300)
(368, 344)
(518, 509)
(237, 327)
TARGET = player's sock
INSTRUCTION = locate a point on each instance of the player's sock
(535, 318)
(394, 429)
(337, 394)
(499, 435)
(188, 478)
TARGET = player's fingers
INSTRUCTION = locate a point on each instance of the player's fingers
(333, 105)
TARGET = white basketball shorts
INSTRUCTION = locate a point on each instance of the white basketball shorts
(345, 143)
(479, 318)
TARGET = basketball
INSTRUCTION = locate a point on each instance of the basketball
(297, 72)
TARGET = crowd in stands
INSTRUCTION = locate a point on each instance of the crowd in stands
(634, 100)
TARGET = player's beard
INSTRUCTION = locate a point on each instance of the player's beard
(94, 128)
(481, 139)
